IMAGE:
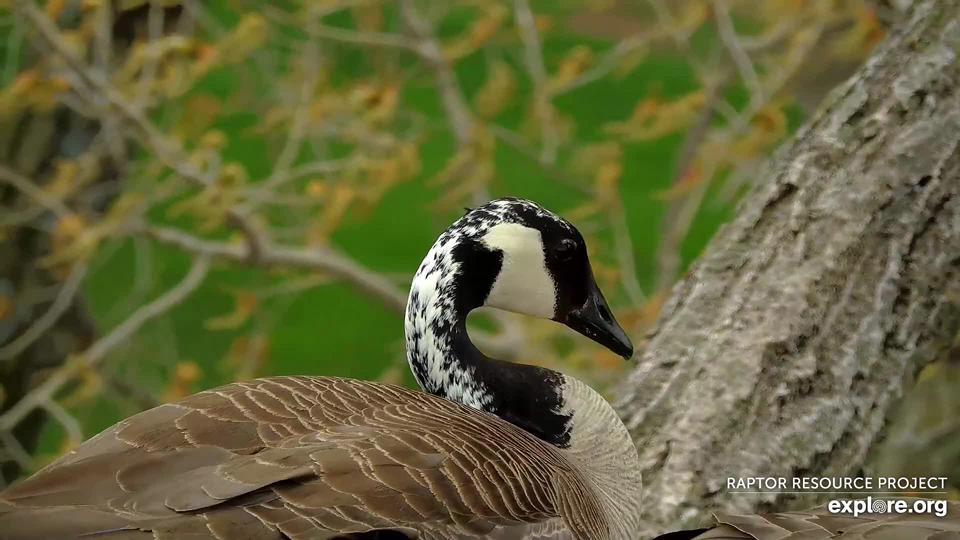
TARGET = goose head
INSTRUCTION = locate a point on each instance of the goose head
(540, 267)
(529, 260)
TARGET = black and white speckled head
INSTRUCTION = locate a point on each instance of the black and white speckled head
(515, 255)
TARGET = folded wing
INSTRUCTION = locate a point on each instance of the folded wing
(301, 457)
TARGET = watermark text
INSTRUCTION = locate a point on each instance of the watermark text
(857, 507)
(860, 483)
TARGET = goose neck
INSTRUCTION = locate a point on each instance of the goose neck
(454, 279)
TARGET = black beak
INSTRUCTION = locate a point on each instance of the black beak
(595, 321)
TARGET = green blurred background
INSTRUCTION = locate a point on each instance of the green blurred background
(682, 127)
(335, 330)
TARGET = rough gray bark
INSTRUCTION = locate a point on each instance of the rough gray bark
(788, 344)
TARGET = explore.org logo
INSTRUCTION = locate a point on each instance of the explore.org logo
(897, 495)
(855, 507)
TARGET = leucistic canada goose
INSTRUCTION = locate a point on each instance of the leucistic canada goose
(491, 449)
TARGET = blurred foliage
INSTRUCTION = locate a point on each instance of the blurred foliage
(359, 129)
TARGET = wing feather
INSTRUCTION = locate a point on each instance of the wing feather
(304, 457)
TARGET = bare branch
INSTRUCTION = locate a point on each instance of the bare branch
(133, 323)
(261, 191)
(623, 244)
(298, 128)
(774, 83)
(316, 168)
(518, 143)
(374, 39)
(44, 393)
(293, 286)
(301, 117)
(665, 19)
(769, 38)
(143, 278)
(455, 104)
(533, 57)
(169, 153)
(461, 120)
(13, 450)
(60, 305)
(67, 420)
(28, 188)
(320, 259)
(678, 216)
(329, 261)
(608, 63)
(728, 35)
(154, 30)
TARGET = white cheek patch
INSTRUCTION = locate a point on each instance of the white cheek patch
(523, 284)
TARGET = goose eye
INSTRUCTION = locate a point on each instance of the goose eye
(566, 249)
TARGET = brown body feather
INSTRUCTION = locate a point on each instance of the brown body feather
(306, 458)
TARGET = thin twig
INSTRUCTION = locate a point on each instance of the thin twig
(260, 192)
(518, 143)
(705, 71)
(167, 152)
(179, 293)
(461, 121)
(197, 13)
(28, 188)
(608, 63)
(673, 224)
(769, 38)
(293, 286)
(680, 40)
(728, 35)
(148, 75)
(773, 85)
(46, 321)
(301, 119)
(329, 261)
(14, 450)
(679, 216)
(111, 126)
(454, 103)
(375, 39)
(322, 259)
(298, 126)
(67, 420)
(425, 45)
(533, 57)
(49, 32)
(625, 259)
(96, 352)
(143, 277)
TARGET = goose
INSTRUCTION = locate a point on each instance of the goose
(489, 449)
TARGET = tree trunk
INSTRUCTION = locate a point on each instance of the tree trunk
(788, 344)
